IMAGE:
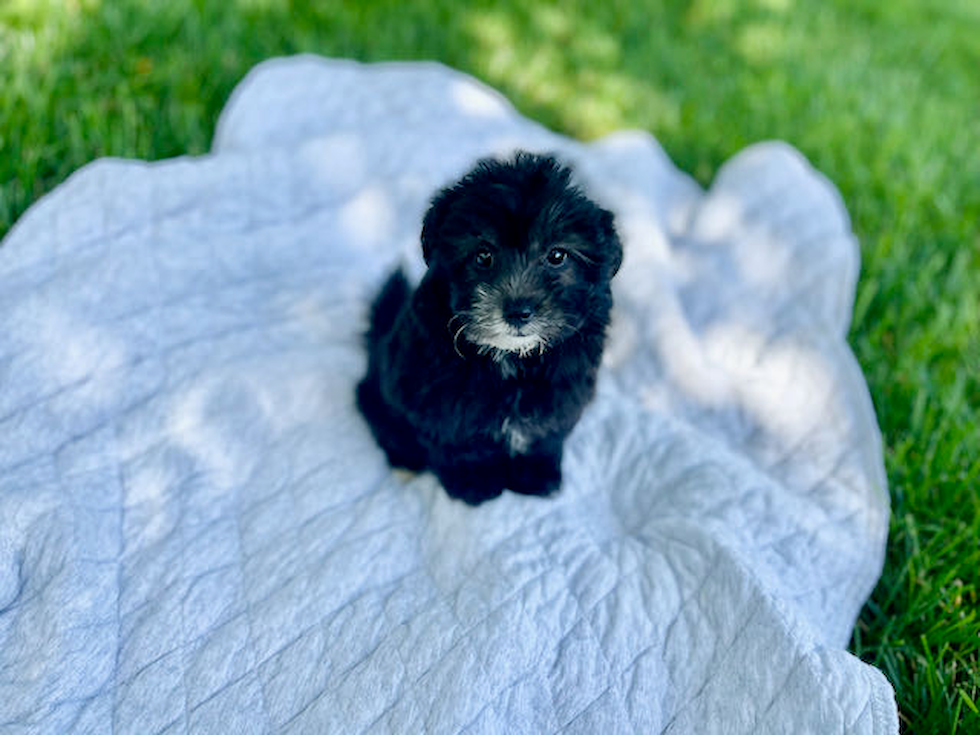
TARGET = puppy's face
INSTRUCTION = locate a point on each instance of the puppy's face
(524, 254)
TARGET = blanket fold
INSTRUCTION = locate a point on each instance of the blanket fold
(198, 535)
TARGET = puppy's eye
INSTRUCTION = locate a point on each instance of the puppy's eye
(557, 256)
(483, 258)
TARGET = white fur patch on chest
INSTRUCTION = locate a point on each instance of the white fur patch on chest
(516, 438)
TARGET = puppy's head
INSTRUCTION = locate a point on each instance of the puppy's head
(526, 256)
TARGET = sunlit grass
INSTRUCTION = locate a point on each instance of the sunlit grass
(884, 97)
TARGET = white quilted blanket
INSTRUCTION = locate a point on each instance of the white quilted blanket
(198, 535)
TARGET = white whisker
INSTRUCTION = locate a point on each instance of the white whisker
(456, 337)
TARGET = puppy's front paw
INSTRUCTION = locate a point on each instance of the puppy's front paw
(536, 474)
(472, 485)
(472, 495)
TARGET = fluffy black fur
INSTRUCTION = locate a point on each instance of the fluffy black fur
(481, 372)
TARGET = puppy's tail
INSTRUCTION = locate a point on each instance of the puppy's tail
(387, 305)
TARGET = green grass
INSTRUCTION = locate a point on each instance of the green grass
(883, 97)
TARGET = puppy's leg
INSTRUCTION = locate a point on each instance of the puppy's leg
(538, 472)
(473, 482)
(394, 435)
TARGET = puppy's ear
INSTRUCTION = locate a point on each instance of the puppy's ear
(432, 223)
(611, 245)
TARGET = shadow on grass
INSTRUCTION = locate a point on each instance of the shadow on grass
(147, 80)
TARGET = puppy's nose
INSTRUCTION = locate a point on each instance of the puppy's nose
(518, 312)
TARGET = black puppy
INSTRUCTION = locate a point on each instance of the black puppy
(483, 370)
